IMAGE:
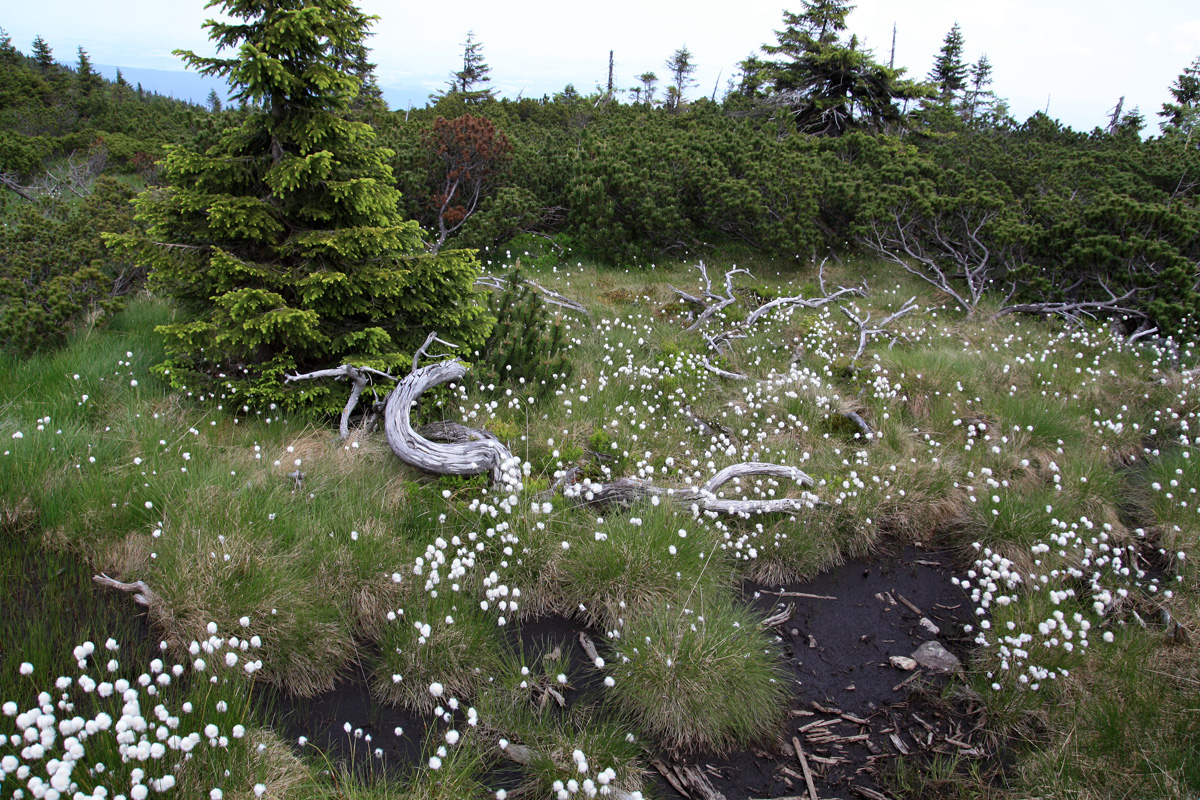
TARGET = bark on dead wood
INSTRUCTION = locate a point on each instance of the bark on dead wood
(622, 492)
(474, 457)
(359, 377)
(453, 433)
(143, 595)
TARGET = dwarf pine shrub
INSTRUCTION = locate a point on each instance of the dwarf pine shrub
(55, 269)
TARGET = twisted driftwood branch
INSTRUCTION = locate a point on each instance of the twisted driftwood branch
(865, 332)
(472, 457)
(625, 491)
(714, 369)
(448, 448)
(721, 341)
(800, 300)
(423, 349)
(707, 499)
(720, 302)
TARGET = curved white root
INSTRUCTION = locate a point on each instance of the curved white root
(469, 457)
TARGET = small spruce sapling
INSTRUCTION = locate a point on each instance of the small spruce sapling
(526, 342)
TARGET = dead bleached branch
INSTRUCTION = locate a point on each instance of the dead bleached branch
(866, 330)
(549, 296)
(359, 378)
(143, 595)
(709, 302)
(484, 454)
(449, 448)
(806, 302)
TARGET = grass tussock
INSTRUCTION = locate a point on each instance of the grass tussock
(445, 639)
(699, 678)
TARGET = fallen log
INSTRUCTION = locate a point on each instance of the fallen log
(625, 491)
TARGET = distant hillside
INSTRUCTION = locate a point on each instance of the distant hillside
(194, 88)
(180, 84)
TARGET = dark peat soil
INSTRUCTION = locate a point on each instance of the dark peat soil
(852, 712)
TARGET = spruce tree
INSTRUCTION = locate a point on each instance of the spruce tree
(43, 55)
(1183, 115)
(682, 68)
(86, 76)
(470, 81)
(980, 98)
(832, 85)
(282, 241)
(949, 73)
(648, 80)
(753, 76)
(9, 55)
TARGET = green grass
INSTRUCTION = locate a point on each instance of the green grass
(701, 676)
(1074, 435)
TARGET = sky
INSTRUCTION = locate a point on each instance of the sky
(1076, 58)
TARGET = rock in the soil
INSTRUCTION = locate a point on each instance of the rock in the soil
(933, 656)
(929, 627)
(903, 662)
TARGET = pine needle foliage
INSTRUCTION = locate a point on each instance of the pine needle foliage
(527, 347)
(54, 270)
(282, 242)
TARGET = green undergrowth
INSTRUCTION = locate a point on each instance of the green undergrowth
(1025, 447)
